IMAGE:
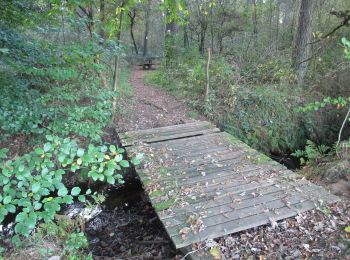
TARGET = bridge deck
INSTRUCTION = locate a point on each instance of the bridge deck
(205, 184)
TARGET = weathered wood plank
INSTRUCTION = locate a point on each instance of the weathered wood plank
(262, 218)
(194, 171)
(160, 138)
(164, 131)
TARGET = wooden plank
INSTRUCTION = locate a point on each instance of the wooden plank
(231, 207)
(129, 142)
(202, 173)
(167, 130)
(237, 225)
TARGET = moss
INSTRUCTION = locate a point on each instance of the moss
(164, 204)
(157, 193)
(260, 158)
(162, 170)
(233, 140)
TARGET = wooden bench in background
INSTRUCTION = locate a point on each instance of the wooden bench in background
(148, 61)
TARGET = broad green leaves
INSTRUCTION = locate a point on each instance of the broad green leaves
(32, 185)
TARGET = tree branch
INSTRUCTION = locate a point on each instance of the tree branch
(346, 22)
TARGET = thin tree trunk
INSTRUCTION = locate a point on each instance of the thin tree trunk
(255, 21)
(132, 16)
(117, 61)
(301, 48)
(207, 89)
(202, 36)
(168, 41)
(211, 30)
(147, 18)
(186, 40)
(102, 18)
(277, 23)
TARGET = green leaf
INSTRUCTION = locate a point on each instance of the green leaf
(39, 151)
(82, 198)
(61, 157)
(21, 168)
(36, 187)
(124, 163)
(37, 205)
(11, 208)
(21, 217)
(7, 200)
(80, 152)
(88, 191)
(75, 191)
(110, 180)
(79, 161)
(118, 158)
(112, 148)
(62, 191)
(22, 228)
(3, 153)
(47, 147)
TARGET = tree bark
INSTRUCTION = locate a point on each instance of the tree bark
(102, 18)
(170, 28)
(117, 60)
(147, 22)
(202, 36)
(301, 48)
(255, 21)
(132, 16)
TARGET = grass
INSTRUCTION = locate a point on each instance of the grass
(124, 86)
(193, 114)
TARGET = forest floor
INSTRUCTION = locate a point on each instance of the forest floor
(132, 228)
(151, 107)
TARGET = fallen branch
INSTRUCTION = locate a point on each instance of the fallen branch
(342, 127)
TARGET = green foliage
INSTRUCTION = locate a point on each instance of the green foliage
(260, 115)
(312, 153)
(339, 103)
(66, 235)
(346, 44)
(75, 243)
(48, 87)
(32, 187)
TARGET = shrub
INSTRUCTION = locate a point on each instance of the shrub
(31, 185)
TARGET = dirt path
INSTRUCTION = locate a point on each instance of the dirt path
(151, 107)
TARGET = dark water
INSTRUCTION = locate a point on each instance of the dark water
(128, 227)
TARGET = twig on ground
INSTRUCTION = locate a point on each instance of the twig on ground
(342, 127)
(191, 252)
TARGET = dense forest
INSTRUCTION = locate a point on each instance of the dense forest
(75, 74)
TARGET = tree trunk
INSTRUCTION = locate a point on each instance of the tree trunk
(102, 18)
(169, 41)
(147, 18)
(186, 40)
(116, 63)
(202, 37)
(132, 15)
(301, 48)
(255, 21)
(277, 23)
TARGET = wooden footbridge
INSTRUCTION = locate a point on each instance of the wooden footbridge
(205, 184)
